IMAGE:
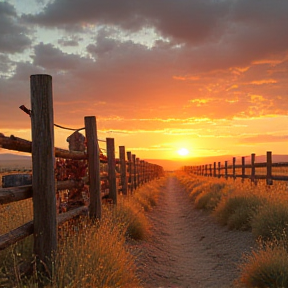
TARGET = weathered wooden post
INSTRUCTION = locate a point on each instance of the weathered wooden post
(145, 171)
(111, 169)
(129, 158)
(269, 180)
(138, 171)
(43, 184)
(214, 169)
(95, 206)
(134, 172)
(123, 169)
(226, 170)
(253, 167)
(243, 169)
(233, 168)
(210, 170)
(219, 168)
(142, 171)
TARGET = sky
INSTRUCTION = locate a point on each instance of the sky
(159, 75)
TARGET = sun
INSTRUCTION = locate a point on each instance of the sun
(183, 152)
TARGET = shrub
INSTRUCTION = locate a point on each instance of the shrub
(197, 190)
(147, 195)
(210, 196)
(238, 211)
(266, 268)
(130, 214)
(96, 257)
(271, 221)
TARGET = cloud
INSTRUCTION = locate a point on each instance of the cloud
(13, 36)
(265, 138)
(234, 32)
(50, 58)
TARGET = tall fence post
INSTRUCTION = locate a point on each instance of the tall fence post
(43, 185)
(142, 171)
(219, 168)
(123, 169)
(226, 169)
(129, 158)
(111, 169)
(134, 171)
(269, 180)
(233, 168)
(138, 171)
(95, 206)
(243, 169)
(253, 167)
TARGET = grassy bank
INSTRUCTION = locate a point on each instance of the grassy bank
(261, 209)
(89, 254)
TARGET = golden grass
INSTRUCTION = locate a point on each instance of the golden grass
(266, 267)
(245, 206)
(92, 254)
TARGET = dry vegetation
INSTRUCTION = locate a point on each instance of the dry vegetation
(261, 209)
(88, 252)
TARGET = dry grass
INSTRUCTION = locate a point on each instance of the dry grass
(93, 254)
(245, 206)
(266, 267)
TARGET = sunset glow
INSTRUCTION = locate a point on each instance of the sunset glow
(210, 76)
(183, 152)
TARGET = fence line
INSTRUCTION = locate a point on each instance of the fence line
(218, 170)
(43, 189)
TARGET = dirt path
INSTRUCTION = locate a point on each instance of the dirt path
(186, 247)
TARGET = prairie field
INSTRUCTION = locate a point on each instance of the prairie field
(88, 251)
(100, 252)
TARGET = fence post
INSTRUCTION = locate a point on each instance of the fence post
(141, 172)
(214, 169)
(234, 169)
(243, 169)
(138, 171)
(219, 168)
(253, 167)
(210, 170)
(43, 184)
(269, 180)
(95, 206)
(226, 169)
(129, 158)
(111, 169)
(134, 171)
(123, 169)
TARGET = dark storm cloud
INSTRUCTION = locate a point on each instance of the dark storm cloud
(230, 31)
(13, 35)
(49, 57)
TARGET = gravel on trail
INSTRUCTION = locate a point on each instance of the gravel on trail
(186, 247)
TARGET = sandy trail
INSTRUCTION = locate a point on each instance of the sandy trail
(187, 248)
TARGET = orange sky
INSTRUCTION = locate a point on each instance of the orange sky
(209, 76)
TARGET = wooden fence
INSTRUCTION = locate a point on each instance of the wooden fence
(268, 171)
(132, 173)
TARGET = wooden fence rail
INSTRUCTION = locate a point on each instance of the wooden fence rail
(133, 173)
(218, 170)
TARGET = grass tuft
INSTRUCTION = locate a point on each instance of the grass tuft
(271, 221)
(238, 211)
(265, 268)
(209, 198)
